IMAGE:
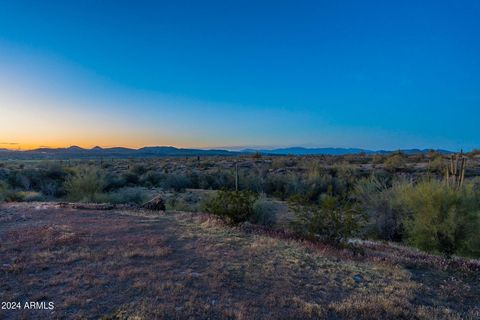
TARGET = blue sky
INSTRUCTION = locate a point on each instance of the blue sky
(371, 74)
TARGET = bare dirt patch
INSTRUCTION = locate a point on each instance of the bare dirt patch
(127, 264)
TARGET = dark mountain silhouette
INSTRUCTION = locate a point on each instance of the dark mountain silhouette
(115, 152)
(334, 151)
(311, 151)
(168, 151)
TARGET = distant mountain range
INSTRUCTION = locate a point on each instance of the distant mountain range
(75, 152)
(334, 151)
(308, 151)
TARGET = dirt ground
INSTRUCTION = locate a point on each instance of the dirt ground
(139, 265)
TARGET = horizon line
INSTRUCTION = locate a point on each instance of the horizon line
(229, 148)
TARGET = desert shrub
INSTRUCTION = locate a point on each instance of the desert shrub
(128, 195)
(232, 206)
(282, 162)
(395, 162)
(317, 183)
(85, 185)
(184, 202)
(416, 157)
(114, 181)
(378, 159)
(176, 182)
(264, 212)
(283, 186)
(174, 202)
(330, 222)
(437, 165)
(52, 180)
(25, 196)
(384, 213)
(4, 173)
(53, 171)
(139, 169)
(47, 178)
(346, 177)
(151, 179)
(218, 179)
(18, 180)
(443, 219)
(131, 179)
(251, 180)
(52, 188)
(3, 191)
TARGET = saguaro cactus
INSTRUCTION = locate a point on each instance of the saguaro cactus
(236, 176)
(455, 173)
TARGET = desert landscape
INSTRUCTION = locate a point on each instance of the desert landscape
(229, 239)
(240, 160)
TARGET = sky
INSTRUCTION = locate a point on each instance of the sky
(368, 74)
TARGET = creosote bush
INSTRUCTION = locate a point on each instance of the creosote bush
(384, 213)
(330, 222)
(3, 191)
(429, 215)
(395, 162)
(443, 219)
(437, 165)
(264, 212)
(128, 195)
(86, 185)
(232, 206)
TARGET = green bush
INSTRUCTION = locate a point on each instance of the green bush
(330, 222)
(443, 219)
(264, 212)
(151, 179)
(383, 211)
(395, 162)
(129, 195)
(25, 196)
(86, 185)
(437, 165)
(3, 191)
(232, 206)
(7, 194)
(177, 182)
(283, 185)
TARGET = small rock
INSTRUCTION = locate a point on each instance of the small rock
(156, 204)
(358, 278)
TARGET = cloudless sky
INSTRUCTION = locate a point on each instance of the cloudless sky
(371, 74)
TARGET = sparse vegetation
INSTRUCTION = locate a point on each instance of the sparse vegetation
(395, 162)
(430, 215)
(384, 213)
(3, 191)
(263, 212)
(443, 219)
(85, 185)
(232, 206)
(329, 222)
(299, 226)
(332, 198)
(184, 265)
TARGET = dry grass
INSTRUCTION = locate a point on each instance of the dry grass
(132, 264)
